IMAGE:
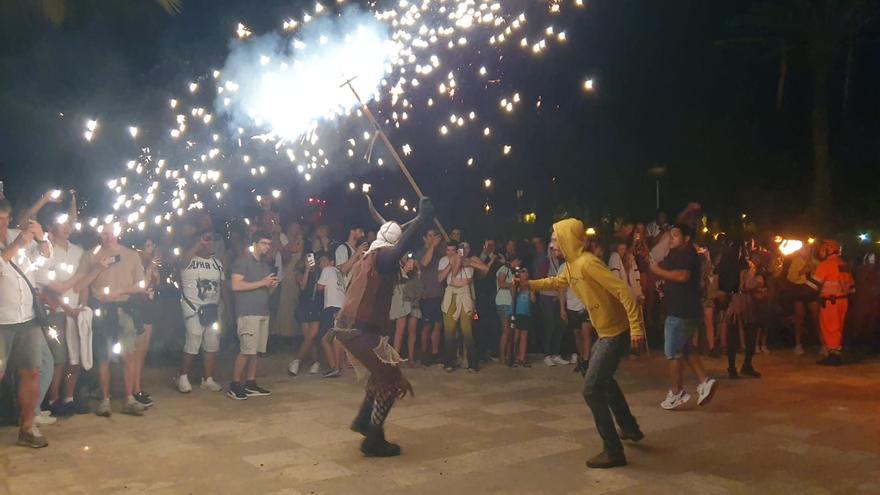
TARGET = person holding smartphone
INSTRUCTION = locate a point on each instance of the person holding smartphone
(457, 307)
(252, 282)
(308, 313)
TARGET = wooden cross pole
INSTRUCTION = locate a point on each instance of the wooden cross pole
(397, 159)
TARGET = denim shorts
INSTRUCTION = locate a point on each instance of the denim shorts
(504, 311)
(677, 335)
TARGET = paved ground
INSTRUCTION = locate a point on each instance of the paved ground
(800, 430)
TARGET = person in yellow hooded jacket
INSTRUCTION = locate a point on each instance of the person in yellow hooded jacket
(618, 322)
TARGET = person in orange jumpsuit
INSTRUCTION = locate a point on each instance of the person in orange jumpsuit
(837, 282)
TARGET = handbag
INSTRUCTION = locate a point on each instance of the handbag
(41, 317)
(208, 313)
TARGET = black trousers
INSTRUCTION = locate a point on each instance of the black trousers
(751, 336)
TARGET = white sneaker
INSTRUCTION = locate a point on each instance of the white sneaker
(799, 350)
(294, 367)
(574, 359)
(549, 362)
(44, 418)
(315, 369)
(674, 401)
(210, 384)
(705, 391)
(183, 385)
(558, 360)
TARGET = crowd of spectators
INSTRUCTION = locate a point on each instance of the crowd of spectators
(262, 285)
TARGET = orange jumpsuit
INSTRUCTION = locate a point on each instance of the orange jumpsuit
(836, 284)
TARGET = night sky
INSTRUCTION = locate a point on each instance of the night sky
(669, 92)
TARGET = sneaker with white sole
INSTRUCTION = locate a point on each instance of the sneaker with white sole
(183, 385)
(104, 409)
(674, 401)
(210, 385)
(332, 374)
(44, 419)
(705, 391)
(133, 408)
(558, 360)
(549, 362)
(315, 369)
(573, 359)
(293, 369)
(32, 438)
(251, 389)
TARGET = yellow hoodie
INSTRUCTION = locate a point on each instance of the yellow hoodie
(607, 299)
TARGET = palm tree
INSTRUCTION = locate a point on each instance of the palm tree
(819, 31)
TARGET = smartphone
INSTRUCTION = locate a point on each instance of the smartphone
(275, 271)
(310, 259)
(116, 259)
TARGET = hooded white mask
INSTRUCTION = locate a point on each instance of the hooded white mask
(388, 235)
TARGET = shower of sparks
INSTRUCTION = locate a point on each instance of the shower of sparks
(291, 108)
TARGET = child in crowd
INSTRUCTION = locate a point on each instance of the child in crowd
(521, 322)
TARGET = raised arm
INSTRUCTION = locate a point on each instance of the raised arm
(388, 259)
(50, 196)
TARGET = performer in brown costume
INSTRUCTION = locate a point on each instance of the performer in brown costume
(363, 322)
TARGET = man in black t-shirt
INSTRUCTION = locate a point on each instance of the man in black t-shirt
(681, 271)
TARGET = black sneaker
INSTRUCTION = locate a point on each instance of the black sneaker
(732, 374)
(632, 436)
(606, 460)
(253, 390)
(749, 371)
(236, 391)
(144, 399)
(832, 359)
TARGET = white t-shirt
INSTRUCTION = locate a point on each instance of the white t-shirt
(342, 256)
(201, 280)
(64, 264)
(572, 302)
(334, 287)
(463, 273)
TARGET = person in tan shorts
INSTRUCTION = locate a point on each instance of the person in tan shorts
(252, 282)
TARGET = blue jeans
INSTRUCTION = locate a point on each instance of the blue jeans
(603, 394)
(677, 336)
(47, 368)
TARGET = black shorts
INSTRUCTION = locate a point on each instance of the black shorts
(576, 319)
(149, 312)
(328, 320)
(309, 310)
(523, 323)
(431, 312)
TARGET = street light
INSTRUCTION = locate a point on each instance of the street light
(657, 172)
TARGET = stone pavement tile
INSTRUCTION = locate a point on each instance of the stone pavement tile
(789, 431)
(505, 455)
(508, 408)
(605, 481)
(424, 422)
(568, 425)
(800, 430)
